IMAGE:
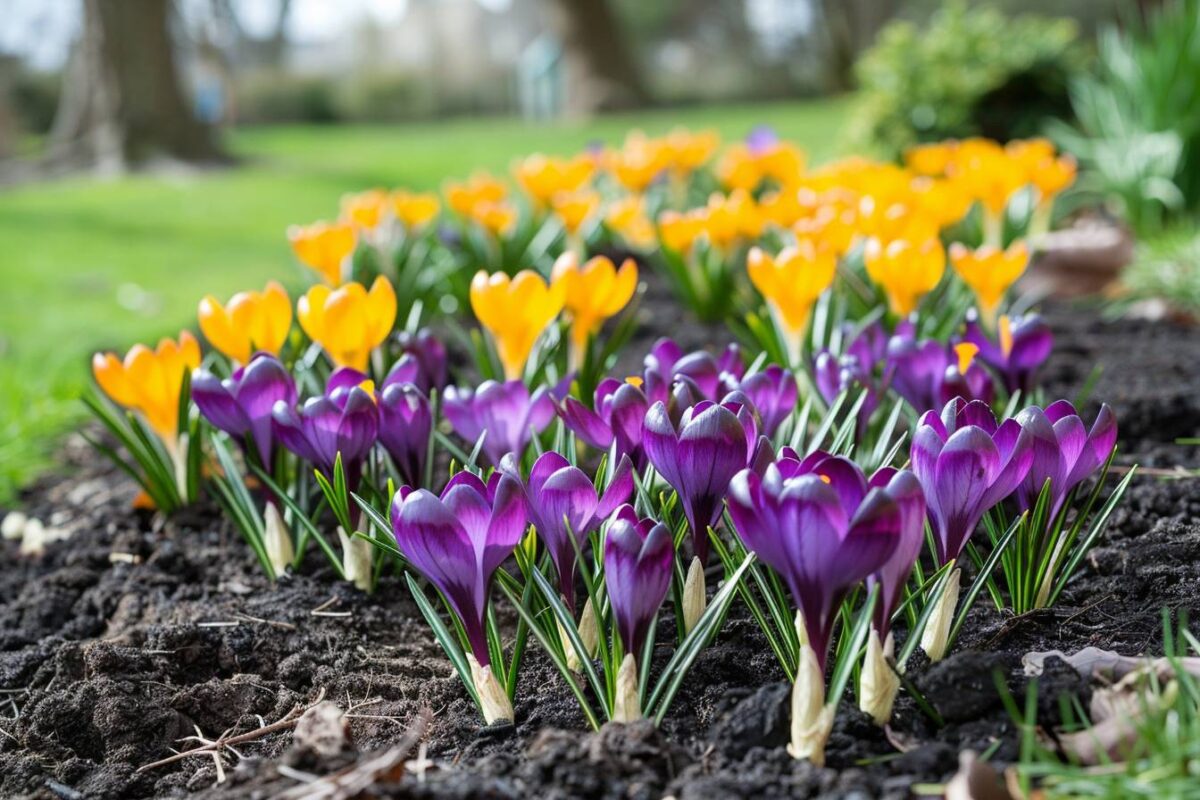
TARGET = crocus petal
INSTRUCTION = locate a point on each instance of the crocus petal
(218, 405)
(637, 570)
(619, 490)
(962, 476)
(586, 424)
(661, 443)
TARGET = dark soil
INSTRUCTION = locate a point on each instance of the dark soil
(106, 666)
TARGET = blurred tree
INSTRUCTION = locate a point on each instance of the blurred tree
(602, 71)
(851, 27)
(122, 102)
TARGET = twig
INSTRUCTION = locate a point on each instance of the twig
(320, 611)
(289, 721)
(287, 626)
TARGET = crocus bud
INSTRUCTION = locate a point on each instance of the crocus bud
(879, 683)
(277, 540)
(936, 636)
(356, 560)
(627, 706)
(812, 718)
(694, 598)
(493, 700)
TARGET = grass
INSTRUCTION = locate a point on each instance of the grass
(88, 264)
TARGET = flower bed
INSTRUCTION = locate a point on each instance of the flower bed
(358, 580)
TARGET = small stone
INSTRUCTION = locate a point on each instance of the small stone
(13, 526)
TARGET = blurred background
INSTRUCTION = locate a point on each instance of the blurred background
(153, 151)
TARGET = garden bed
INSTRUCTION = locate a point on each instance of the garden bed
(117, 644)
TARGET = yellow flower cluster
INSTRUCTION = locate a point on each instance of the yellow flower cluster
(150, 381)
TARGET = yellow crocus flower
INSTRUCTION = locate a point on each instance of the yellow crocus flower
(324, 247)
(515, 311)
(791, 282)
(989, 271)
(479, 190)
(575, 208)
(499, 218)
(638, 162)
(678, 231)
(150, 381)
(249, 322)
(906, 271)
(543, 177)
(365, 209)
(687, 151)
(592, 293)
(349, 322)
(626, 217)
(415, 209)
(1051, 176)
(930, 159)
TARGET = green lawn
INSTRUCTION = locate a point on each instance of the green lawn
(88, 264)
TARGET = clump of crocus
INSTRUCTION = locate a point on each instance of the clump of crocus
(365, 210)
(709, 377)
(638, 556)
(592, 293)
(563, 504)
(906, 271)
(824, 530)
(879, 683)
(149, 383)
(791, 282)
(989, 272)
(860, 368)
(506, 414)
(618, 409)
(250, 322)
(697, 457)
(242, 406)
(1020, 347)
(340, 425)
(325, 248)
(966, 464)
(515, 311)
(458, 541)
(773, 392)
(917, 367)
(349, 322)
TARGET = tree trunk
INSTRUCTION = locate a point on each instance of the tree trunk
(601, 71)
(122, 103)
(851, 27)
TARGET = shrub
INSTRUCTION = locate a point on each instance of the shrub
(278, 97)
(968, 72)
(1138, 132)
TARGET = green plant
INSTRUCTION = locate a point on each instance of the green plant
(1157, 735)
(968, 71)
(1167, 267)
(1138, 132)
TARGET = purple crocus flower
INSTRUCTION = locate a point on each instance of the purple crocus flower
(1064, 450)
(1024, 343)
(458, 540)
(849, 374)
(620, 407)
(774, 393)
(966, 464)
(637, 573)
(820, 525)
(506, 411)
(405, 425)
(917, 367)
(344, 420)
(241, 405)
(903, 487)
(667, 365)
(561, 502)
(761, 138)
(699, 456)
(423, 362)
(964, 377)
